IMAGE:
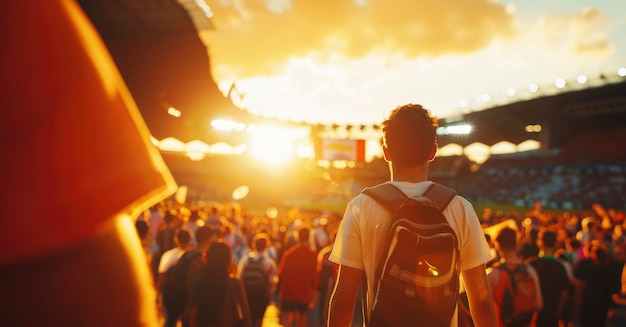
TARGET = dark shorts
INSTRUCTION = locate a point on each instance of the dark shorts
(291, 306)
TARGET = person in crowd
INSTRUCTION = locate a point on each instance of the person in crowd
(529, 247)
(165, 239)
(205, 236)
(79, 168)
(495, 255)
(213, 219)
(321, 238)
(218, 299)
(409, 145)
(182, 239)
(555, 282)
(593, 298)
(297, 273)
(155, 220)
(327, 279)
(194, 221)
(618, 310)
(507, 246)
(258, 301)
(561, 255)
(590, 231)
(143, 230)
(239, 244)
(572, 250)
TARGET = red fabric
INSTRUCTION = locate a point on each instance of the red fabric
(76, 150)
(298, 274)
(498, 293)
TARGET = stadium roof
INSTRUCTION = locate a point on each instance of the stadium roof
(156, 47)
(561, 116)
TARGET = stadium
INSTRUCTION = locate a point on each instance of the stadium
(562, 146)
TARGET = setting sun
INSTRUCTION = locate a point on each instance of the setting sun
(272, 145)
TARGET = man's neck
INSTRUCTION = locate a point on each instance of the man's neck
(414, 174)
(510, 257)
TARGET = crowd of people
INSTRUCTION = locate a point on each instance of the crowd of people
(577, 257)
(82, 169)
(289, 255)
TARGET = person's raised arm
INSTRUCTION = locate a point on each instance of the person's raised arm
(480, 297)
(343, 300)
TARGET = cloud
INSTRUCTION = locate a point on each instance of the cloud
(258, 37)
(581, 35)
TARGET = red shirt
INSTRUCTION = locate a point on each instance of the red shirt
(298, 274)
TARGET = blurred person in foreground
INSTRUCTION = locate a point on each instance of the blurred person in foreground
(409, 145)
(79, 167)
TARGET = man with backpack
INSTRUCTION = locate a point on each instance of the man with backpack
(515, 285)
(409, 144)
(256, 271)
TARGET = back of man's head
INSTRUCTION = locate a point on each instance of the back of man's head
(184, 237)
(169, 217)
(303, 234)
(204, 234)
(507, 239)
(260, 242)
(409, 134)
(548, 238)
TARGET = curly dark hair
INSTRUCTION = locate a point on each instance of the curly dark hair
(409, 134)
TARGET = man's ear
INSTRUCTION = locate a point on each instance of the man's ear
(433, 152)
(386, 154)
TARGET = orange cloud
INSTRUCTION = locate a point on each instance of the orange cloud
(578, 34)
(257, 37)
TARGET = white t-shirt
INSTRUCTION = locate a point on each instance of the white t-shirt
(364, 216)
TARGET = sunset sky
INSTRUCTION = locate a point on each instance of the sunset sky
(352, 61)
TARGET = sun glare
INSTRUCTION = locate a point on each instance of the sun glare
(272, 145)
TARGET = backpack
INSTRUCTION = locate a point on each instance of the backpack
(515, 294)
(254, 276)
(175, 285)
(417, 275)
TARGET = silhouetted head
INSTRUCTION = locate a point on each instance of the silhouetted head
(507, 239)
(183, 237)
(409, 135)
(547, 238)
(204, 234)
(303, 234)
(219, 256)
(260, 242)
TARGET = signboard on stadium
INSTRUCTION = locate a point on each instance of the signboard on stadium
(340, 149)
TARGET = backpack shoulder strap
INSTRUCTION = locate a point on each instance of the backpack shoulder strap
(391, 197)
(440, 195)
(519, 267)
(387, 195)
